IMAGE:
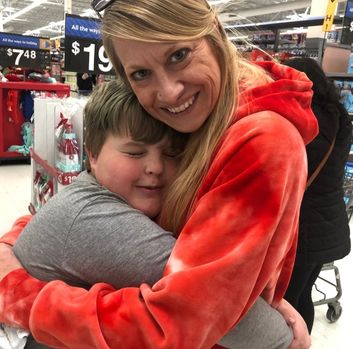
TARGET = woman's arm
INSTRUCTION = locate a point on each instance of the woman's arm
(15, 231)
(238, 243)
(8, 261)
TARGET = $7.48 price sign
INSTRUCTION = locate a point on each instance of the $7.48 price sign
(87, 56)
(24, 51)
(24, 58)
(19, 53)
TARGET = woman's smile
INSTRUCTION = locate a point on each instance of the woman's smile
(183, 107)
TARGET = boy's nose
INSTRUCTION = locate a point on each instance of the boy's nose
(154, 166)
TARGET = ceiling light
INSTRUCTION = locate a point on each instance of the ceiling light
(30, 7)
(8, 9)
(217, 2)
(89, 13)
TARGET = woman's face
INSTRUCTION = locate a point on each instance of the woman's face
(177, 83)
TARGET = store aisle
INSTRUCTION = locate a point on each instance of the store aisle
(15, 193)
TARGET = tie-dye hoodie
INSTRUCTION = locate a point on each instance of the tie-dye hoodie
(239, 242)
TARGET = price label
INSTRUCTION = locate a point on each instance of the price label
(91, 55)
(84, 51)
(18, 54)
(15, 50)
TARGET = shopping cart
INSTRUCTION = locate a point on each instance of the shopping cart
(334, 307)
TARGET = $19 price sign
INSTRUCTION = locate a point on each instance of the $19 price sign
(86, 56)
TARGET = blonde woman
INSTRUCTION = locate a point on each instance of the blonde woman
(234, 204)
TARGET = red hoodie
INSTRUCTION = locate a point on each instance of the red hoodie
(239, 242)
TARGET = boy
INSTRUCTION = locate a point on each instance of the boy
(81, 235)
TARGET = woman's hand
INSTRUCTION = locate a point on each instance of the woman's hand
(301, 336)
(8, 261)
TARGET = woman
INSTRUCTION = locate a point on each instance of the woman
(323, 228)
(234, 205)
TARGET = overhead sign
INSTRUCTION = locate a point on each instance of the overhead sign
(347, 25)
(84, 51)
(330, 15)
(24, 51)
(349, 10)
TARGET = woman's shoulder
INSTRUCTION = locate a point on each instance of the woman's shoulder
(264, 139)
(264, 125)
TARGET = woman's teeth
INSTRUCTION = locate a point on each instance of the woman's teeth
(182, 107)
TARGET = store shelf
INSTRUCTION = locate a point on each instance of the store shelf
(274, 25)
(344, 76)
(61, 90)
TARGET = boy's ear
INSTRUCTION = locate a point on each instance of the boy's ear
(90, 156)
(90, 162)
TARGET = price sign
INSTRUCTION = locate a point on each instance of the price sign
(86, 56)
(347, 30)
(84, 51)
(24, 51)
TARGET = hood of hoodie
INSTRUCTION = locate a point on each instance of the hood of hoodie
(289, 95)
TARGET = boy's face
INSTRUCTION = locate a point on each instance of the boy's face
(138, 172)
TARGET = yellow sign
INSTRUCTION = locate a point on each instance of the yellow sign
(330, 15)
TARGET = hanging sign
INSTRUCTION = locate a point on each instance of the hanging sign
(24, 51)
(347, 27)
(330, 15)
(84, 51)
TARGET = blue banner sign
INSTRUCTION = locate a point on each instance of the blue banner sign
(79, 27)
(349, 9)
(13, 40)
(347, 25)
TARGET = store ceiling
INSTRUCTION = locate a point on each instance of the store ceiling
(47, 19)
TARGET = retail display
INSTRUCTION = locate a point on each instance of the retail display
(13, 115)
(57, 150)
(67, 151)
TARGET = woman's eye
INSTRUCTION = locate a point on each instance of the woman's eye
(179, 55)
(140, 75)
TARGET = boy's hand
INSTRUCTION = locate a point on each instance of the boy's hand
(8, 261)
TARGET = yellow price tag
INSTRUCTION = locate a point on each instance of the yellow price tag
(330, 15)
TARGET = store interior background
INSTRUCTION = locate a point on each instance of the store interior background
(46, 18)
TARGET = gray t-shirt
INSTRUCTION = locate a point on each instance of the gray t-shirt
(86, 234)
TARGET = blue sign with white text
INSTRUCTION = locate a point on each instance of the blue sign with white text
(13, 40)
(349, 9)
(87, 28)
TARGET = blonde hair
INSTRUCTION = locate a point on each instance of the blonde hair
(175, 21)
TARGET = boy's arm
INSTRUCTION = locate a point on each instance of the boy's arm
(11, 237)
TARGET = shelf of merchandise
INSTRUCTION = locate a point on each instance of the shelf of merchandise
(344, 76)
(70, 79)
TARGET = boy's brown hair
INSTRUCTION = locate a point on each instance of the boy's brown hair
(113, 109)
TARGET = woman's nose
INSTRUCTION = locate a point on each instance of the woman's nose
(169, 90)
